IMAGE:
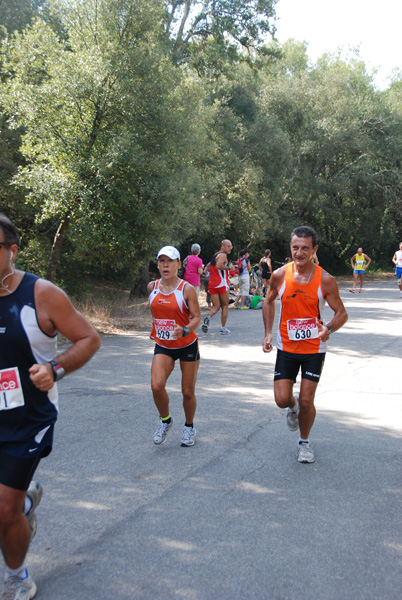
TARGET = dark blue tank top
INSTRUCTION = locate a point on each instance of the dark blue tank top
(23, 343)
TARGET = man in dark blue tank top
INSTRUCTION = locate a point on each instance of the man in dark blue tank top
(32, 312)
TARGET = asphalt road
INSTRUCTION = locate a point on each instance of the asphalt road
(236, 516)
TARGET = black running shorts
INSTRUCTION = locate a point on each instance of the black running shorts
(189, 353)
(288, 364)
(19, 460)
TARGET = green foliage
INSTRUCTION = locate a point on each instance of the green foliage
(133, 124)
(231, 24)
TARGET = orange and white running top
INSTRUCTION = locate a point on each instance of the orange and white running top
(301, 306)
(169, 310)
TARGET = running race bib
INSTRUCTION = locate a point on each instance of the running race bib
(165, 328)
(11, 395)
(302, 329)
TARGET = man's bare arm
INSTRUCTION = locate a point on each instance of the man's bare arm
(333, 299)
(56, 313)
(268, 308)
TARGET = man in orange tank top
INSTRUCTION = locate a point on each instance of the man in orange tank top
(303, 288)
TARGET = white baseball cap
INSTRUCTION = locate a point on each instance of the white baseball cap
(169, 251)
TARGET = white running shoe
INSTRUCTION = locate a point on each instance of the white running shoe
(224, 331)
(161, 432)
(305, 453)
(205, 325)
(292, 415)
(188, 436)
(19, 589)
(34, 493)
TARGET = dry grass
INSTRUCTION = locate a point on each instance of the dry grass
(113, 312)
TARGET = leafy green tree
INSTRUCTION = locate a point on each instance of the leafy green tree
(342, 165)
(111, 130)
(15, 15)
(192, 25)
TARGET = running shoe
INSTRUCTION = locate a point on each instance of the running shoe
(360, 291)
(292, 415)
(34, 493)
(244, 308)
(188, 436)
(353, 291)
(206, 323)
(224, 331)
(19, 589)
(305, 453)
(161, 432)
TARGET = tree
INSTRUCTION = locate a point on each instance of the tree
(343, 169)
(17, 14)
(105, 128)
(230, 23)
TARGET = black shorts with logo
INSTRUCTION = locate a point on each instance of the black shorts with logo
(189, 353)
(19, 460)
(288, 364)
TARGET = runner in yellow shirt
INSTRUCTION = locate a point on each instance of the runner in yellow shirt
(359, 262)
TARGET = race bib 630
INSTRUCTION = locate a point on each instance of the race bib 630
(302, 329)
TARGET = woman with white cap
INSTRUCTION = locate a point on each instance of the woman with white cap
(176, 314)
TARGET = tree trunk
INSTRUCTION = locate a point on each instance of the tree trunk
(56, 248)
(139, 287)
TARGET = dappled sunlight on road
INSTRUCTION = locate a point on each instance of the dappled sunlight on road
(254, 488)
(369, 419)
(231, 352)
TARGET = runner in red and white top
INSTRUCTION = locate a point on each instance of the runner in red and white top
(218, 286)
(176, 315)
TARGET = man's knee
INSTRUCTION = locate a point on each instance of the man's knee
(306, 401)
(282, 402)
(282, 396)
(9, 512)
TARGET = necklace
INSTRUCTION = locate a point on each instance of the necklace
(300, 275)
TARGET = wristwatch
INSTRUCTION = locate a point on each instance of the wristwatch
(58, 371)
(329, 329)
(186, 331)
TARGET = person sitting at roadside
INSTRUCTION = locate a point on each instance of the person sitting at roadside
(257, 299)
(244, 278)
